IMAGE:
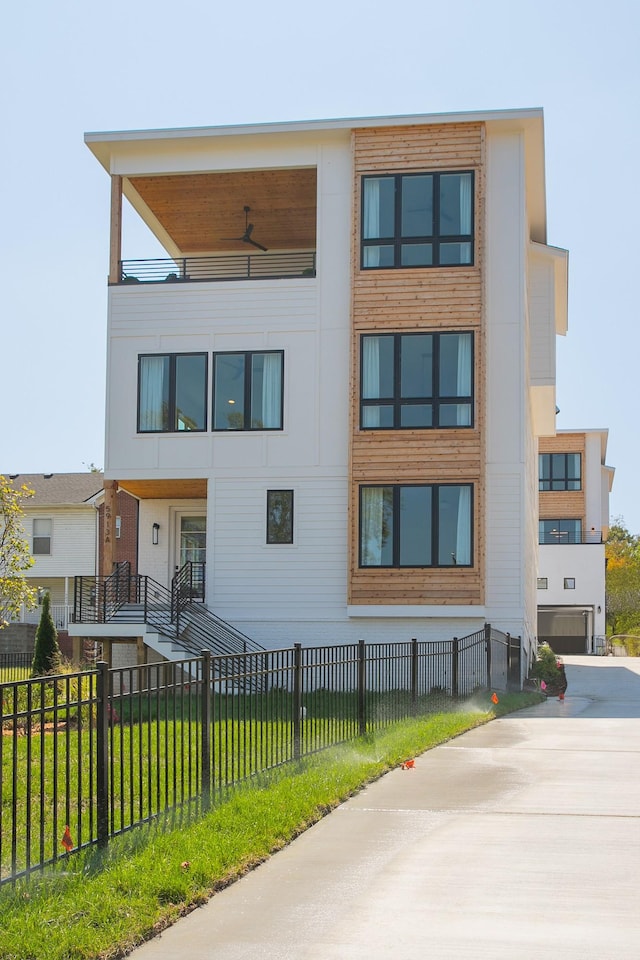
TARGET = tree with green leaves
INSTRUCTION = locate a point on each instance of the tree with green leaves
(622, 553)
(46, 657)
(15, 557)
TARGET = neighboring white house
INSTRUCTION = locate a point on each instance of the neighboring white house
(575, 483)
(61, 529)
(334, 385)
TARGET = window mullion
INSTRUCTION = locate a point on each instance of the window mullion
(248, 375)
(397, 380)
(397, 220)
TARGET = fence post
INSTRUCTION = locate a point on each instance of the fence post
(362, 683)
(455, 649)
(205, 720)
(414, 672)
(297, 699)
(487, 640)
(102, 749)
(508, 661)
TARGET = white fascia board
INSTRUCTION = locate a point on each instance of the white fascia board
(422, 611)
(559, 259)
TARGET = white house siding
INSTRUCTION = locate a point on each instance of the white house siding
(585, 564)
(510, 510)
(73, 542)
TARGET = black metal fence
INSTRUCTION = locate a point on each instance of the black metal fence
(15, 666)
(89, 755)
(255, 266)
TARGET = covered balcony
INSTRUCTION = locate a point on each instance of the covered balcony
(238, 225)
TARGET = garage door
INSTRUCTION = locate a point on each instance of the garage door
(563, 629)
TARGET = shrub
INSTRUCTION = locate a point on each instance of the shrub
(46, 657)
(549, 668)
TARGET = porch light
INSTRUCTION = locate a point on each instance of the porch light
(155, 531)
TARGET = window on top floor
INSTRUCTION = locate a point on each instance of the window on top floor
(560, 531)
(42, 529)
(417, 220)
(172, 392)
(560, 471)
(416, 380)
(247, 390)
(416, 525)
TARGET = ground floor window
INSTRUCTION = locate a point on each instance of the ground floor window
(279, 516)
(416, 525)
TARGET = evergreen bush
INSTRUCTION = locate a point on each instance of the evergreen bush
(46, 657)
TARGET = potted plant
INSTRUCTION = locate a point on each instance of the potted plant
(550, 673)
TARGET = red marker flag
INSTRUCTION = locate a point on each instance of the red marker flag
(408, 765)
(494, 698)
(66, 841)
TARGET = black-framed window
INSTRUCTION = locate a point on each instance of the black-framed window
(279, 516)
(569, 583)
(543, 583)
(560, 471)
(172, 392)
(417, 220)
(247, 390)
(416, 525)
(415, 380)
(559, 531)
(41, 541)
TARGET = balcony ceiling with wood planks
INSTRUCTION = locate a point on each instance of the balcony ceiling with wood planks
(198, 211)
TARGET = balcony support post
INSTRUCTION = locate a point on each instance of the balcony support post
(115, 246)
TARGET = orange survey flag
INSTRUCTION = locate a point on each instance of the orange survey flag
(66, 841)
(494, 698)
(408, 765)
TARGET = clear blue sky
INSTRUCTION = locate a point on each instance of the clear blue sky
(69, 67)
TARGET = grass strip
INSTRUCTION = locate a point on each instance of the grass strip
(101, 905)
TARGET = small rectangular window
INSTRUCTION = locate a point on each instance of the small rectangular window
(279, 516)
(42, 537)
(543, 583)
(569, 583)
(247, 390)
(118, 527)
(417, 220)
(172, 392)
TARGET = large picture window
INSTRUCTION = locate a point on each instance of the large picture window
(247, 391)
(416, 525)
(172, 392)
(559, 531)
(560, 471)
(417, 220)
(415, 380)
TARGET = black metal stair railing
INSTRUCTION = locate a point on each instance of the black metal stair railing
(177, 614)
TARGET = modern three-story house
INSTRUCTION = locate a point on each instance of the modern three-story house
(333, 383)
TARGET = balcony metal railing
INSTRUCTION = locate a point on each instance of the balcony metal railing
(61, 613)
(563, 536)
(260, 266)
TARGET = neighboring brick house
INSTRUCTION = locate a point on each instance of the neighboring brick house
(339, 406)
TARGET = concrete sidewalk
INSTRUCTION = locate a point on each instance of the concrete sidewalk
(520, 839)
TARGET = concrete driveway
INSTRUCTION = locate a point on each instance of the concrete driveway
(520, 839)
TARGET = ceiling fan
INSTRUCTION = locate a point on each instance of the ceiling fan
(248, 229)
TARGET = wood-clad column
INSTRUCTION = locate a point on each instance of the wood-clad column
(115, 248)
(108, 551)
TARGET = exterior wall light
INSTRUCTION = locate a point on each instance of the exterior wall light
(155, 534)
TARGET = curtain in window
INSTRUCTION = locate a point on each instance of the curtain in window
(463, 380)
(371, 220)
(371, 380)
(152, 374)
(463, 535)
(271, 390)
(465, 203)
(371, 526)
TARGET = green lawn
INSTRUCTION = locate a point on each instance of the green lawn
(99, 905)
